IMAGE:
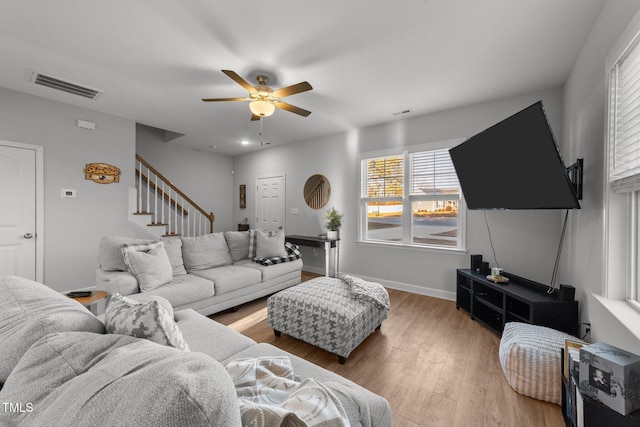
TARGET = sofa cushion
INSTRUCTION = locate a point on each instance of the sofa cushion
(143, 320)
(31, 310)
(110, 255)
(238, 243)
(173, 246)
(206, 251)
(149, 263)
(122, 282)
(210, 337)
(364, 408)
(185, 289)
(270, 246)
(77, 378)
(230, 277)
(272, 271)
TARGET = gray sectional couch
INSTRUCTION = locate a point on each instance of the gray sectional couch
(210, 273)
(60, 368)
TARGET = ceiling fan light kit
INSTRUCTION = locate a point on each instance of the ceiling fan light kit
(263, 99)
(262, 108)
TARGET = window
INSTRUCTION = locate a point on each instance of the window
(623, 166)
(411, 198)
(624, 121)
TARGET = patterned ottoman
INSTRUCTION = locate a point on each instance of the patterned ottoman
(333, 314)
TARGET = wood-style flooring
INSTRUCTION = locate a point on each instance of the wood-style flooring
(434, 365)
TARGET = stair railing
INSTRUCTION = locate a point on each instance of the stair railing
(168, 204)
(315, 197)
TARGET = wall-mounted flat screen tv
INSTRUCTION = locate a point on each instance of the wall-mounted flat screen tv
(515, 164)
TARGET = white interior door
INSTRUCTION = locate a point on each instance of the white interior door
(270, 203)
(18, 195)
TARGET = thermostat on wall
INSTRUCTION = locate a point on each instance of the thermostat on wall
(68, 193)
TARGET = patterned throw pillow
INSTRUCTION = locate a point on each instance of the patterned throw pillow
(252, 243)
(149, 320)
(150, 264)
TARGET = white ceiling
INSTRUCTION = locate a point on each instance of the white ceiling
(366, 59)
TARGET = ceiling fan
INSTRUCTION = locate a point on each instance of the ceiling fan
(263, 99)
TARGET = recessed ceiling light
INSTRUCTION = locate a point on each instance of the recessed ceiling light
(244, 142)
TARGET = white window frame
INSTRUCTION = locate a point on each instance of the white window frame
(621, 197)
(408, 199)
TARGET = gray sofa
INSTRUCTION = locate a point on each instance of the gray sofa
(210, 273)
(60, 368)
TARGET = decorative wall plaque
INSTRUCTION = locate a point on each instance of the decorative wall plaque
(102, 173)
(243, 196)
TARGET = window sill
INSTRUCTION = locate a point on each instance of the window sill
(623, 312)
(453, 251)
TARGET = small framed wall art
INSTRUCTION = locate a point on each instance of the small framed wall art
(243, 196)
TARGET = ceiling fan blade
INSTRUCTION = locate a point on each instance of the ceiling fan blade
(242, 82)
(292, 108)
(224, 99)
(255, 117)
(292, 90)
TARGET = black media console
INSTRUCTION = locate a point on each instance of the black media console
(520, 300)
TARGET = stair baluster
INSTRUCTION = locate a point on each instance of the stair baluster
(171, 203)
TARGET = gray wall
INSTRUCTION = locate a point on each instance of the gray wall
(585, 98)
(525, 241)
(73, 227)
(203, 176)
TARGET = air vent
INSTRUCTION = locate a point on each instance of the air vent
(65, 86)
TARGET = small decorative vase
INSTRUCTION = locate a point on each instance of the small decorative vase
(332, 234)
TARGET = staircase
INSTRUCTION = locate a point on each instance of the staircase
(162, 209)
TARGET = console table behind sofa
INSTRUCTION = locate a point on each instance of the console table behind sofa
(318, 242)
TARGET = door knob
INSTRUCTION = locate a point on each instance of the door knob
(28, 236)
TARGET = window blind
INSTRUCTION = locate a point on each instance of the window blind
(624, 121)
(432, 172)
(383, 177)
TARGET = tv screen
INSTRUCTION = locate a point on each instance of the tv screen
(514, 164)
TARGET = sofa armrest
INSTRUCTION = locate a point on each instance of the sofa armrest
(122, 282)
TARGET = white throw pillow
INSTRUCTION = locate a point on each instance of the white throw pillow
(149, 320)
(269, 247)
(149, 263)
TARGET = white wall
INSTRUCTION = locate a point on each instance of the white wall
(585, 97)
(73, 227)
(525, 241)
(203, 176)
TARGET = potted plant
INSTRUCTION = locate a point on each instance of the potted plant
(333, 224)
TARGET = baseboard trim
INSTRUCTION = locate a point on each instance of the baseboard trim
(407, 287)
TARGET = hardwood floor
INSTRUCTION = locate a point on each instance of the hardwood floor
(434, 365)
